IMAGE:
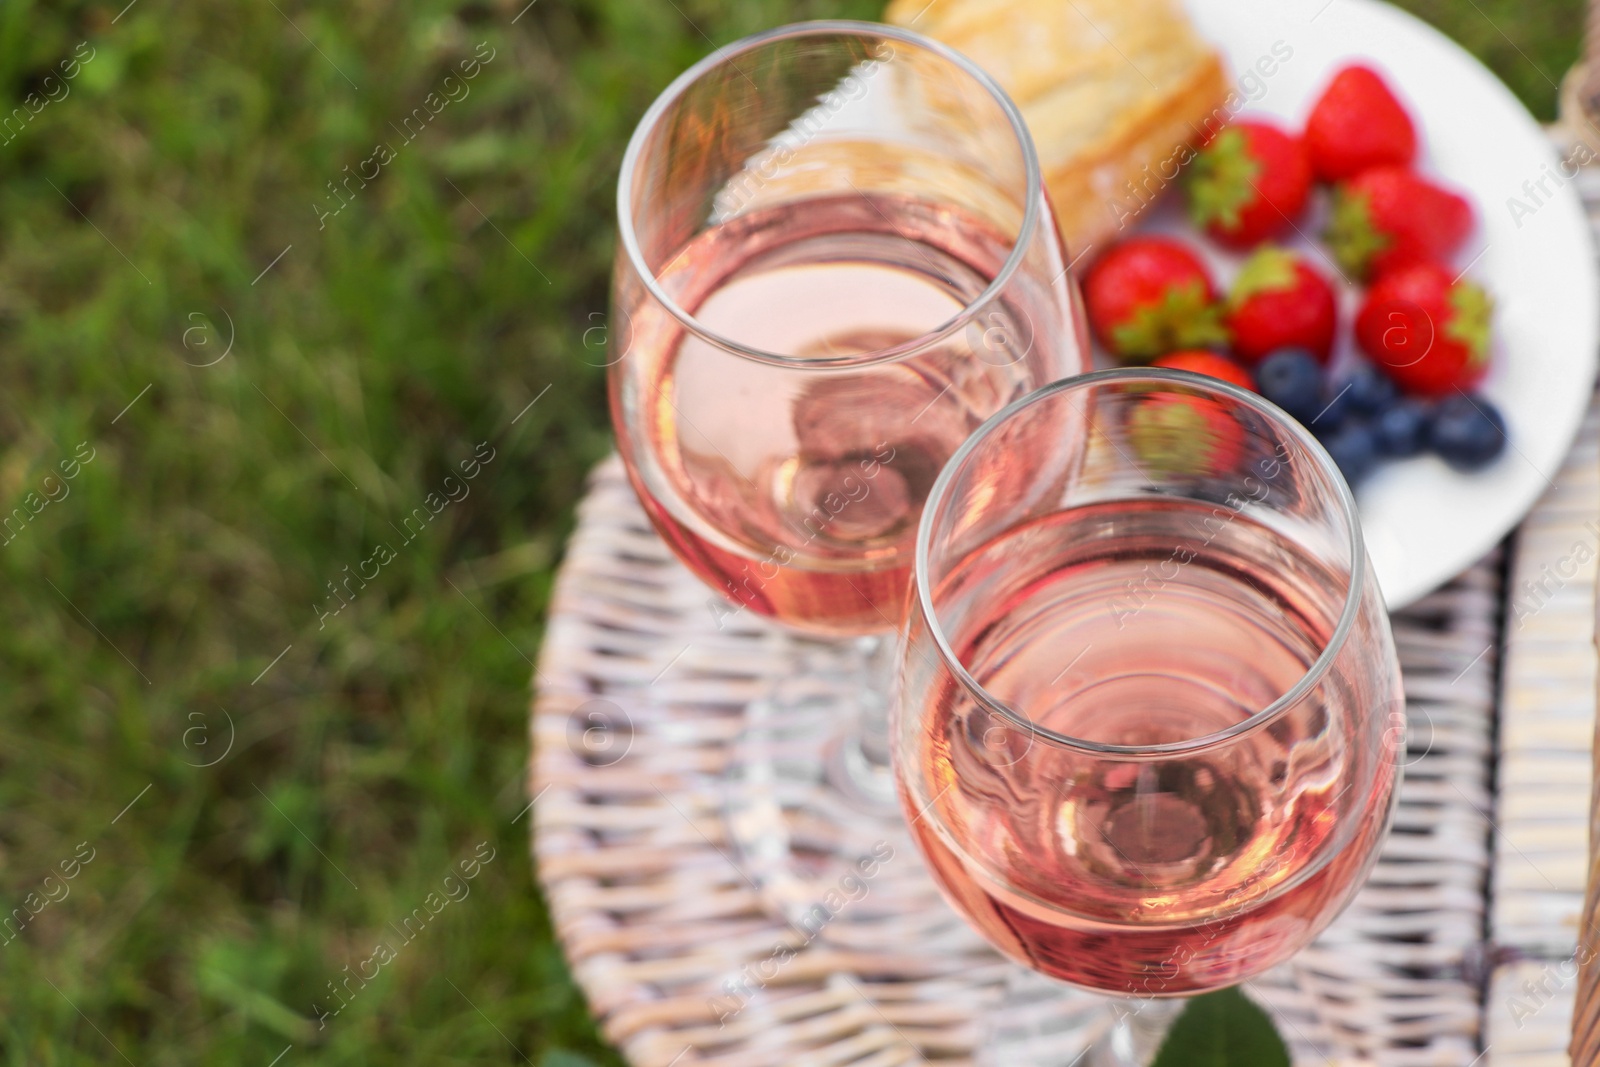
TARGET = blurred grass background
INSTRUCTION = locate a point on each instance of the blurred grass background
(177, 593)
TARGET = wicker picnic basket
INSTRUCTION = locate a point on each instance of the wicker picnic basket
(640, 690)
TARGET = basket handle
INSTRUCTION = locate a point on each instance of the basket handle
(1585, 1047)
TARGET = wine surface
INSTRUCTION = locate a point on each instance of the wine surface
(796, 490)
(1143, 623)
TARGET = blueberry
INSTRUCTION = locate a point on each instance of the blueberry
(1467, 432)
(1354, 449)
(1402, 430)
(1292, 379)
(1369, 391)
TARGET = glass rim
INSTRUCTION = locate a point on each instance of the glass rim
(1032, 180)
(1312, 676)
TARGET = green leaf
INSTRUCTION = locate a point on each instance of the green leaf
(1351, 236)
(1183, 318)
(1222, 180)
(1270, 270)
(1469, 324)
(1222, 1029)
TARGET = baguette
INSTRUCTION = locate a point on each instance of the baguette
(1115, 92)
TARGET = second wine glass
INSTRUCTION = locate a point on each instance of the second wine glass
(1149, 705)
(836, 260)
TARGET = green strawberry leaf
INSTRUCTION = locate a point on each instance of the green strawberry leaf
(1268, 271)
(1222, 1029)
(1183, 318)
(1351, 236)
(1471, 310)
(1222, 181)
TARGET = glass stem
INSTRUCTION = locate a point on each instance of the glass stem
(1137, 1029)
(860, 767)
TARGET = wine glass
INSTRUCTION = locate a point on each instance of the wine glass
(1148, 707)
(836, 260)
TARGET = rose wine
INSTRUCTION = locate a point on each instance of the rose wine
(1140, 623)
(795, 489)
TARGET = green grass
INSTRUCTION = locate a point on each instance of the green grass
(146, 609)
(1529, 43)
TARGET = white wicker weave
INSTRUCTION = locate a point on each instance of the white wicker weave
(639, 695)
(1546, 738)
(1547, 729)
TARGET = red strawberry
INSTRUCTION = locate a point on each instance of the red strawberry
(1175, 430)
(1357, 125)
(1279, 301)
(1427, 331)
(1199, 361)
(1151, 295)
(1249, 183)
(1390, 217)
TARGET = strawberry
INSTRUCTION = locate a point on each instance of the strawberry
(1199, 361)
(1390, 217)
(1279, 301)
(1178, 431)
(1250, 183)
(1426, 330)
(1358, 124)
(1151, 295)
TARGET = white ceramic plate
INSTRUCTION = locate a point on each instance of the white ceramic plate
(1423, 522)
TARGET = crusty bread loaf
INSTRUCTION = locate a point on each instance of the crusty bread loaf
(1115, 92)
